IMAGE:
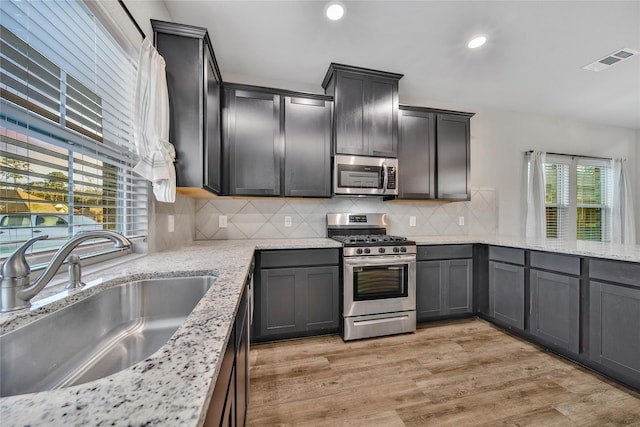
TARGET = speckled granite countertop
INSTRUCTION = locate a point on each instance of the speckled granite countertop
(173, 386)
(581, 248)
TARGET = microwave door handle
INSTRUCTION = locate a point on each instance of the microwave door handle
(385, 176)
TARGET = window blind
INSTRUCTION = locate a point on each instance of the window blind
(578, 198)
(67, 93)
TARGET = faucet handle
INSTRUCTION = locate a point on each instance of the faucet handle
(16, 266)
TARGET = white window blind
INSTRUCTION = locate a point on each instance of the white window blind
(67, 93)
(578, 198)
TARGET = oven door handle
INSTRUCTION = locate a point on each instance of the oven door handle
(379, 260)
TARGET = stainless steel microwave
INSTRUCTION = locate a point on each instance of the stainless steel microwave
(365, 176)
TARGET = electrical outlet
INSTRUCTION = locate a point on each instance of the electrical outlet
(412, 221)
(171, 223)
(222, 221)
(287, 221)
(461, 220)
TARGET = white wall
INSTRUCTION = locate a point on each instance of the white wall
(500, 138)
(637, 184)
(143, 11)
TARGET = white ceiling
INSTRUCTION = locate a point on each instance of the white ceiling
(532, 62)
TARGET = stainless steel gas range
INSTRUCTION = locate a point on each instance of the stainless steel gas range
(379, 276)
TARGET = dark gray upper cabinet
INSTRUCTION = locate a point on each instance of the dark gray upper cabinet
(453, 156)
(254, 142)
(434, 154)
(416, 155)
(193, 80)
(366, 110)
(307, 134)
(277, 142)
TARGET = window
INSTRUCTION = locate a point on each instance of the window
(66, 95)
(578, 198)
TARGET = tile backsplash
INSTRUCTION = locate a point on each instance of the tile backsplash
(265, 218)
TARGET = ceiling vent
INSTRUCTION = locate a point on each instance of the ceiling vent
(611, 59)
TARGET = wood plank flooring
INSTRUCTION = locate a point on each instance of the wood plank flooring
(459, 373)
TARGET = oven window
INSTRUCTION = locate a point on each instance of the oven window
(380, 282)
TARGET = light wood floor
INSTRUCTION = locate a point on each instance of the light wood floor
(462, 373)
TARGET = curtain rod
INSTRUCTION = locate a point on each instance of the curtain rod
(133, 20)
(574, 155)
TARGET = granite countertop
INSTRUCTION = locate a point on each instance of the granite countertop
(174, 385)
(581, 248)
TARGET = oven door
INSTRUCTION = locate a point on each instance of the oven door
(379, 284)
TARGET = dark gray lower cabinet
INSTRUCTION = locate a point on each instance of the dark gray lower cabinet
(614, 328)
(555, 309)
(444, 288)
(506, 293)
(228, 406)
(444, 281)
(298, 300)
(296, 294)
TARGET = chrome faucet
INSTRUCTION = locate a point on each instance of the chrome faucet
(16, 290)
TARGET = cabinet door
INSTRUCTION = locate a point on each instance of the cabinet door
(182, 56)
(350, 117)
(459, 289)
(322, 303)
(506, 293)
(280, 300)
(242, 366)
(416, 155)
(555, 308)
(296, 300)
(307, 133)
(212, 132)
(614, 334)
(452, 136)
(381, 111)
(255, 143)
(429, 284)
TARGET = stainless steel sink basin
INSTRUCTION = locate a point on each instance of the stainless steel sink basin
(98, 336)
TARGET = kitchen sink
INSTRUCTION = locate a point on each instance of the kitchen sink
(98, 336)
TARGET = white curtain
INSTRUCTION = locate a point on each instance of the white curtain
(623, 229)
(536, 217)
(151, 125)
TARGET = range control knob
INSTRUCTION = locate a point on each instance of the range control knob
(396, 249)
(367, 251)
(381, 250)
(359, 251)
(403, 249)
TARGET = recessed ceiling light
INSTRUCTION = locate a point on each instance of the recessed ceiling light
(476, 42)
(334, 10)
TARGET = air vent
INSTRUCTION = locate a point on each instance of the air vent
(611, 59)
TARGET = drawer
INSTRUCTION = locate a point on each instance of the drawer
(627, 273)
(554, 262)
(298, 257)
(435, 252)
(510, 255)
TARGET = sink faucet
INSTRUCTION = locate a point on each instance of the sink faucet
(15, 288)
